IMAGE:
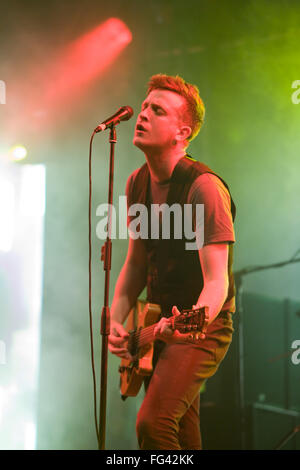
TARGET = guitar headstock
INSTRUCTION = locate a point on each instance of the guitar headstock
(193, 322)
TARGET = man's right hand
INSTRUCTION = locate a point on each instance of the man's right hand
(118, 340)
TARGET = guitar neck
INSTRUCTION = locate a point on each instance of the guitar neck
(187, 322)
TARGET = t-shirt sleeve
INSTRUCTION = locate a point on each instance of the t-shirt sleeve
(209, 190)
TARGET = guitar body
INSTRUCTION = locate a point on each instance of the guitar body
(191, 324)
(132, 374)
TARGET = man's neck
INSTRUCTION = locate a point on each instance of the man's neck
(161, 165)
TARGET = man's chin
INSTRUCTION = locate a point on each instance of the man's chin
(139, 143)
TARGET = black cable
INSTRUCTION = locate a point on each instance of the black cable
(90, 290)
(294, 256)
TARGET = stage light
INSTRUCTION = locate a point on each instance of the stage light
(22, 200)
(85, 59)
(33, 183)
(18, 152)
(53, 86)
(7, 221)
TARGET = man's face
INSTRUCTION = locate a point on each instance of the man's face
(159, 120)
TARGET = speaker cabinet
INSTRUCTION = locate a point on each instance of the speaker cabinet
(271, 425)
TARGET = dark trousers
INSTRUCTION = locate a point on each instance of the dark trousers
(169, 415)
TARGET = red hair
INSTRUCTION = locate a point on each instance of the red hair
(195, 111)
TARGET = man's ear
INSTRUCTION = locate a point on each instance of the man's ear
(184, 133)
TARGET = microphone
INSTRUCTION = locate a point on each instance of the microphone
(124, 113)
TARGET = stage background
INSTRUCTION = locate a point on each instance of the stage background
(244, 57)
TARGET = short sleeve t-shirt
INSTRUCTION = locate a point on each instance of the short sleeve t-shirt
(207, 189)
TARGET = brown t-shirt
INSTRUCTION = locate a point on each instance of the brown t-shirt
(207, 189)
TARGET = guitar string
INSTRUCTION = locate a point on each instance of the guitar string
(142, 337)
(149, 329)
(149, 335)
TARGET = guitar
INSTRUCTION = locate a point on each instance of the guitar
(140, 325)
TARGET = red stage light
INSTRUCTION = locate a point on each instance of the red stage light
(87, 58)
(42, 94)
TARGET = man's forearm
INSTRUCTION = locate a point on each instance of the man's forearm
(130, 283)
(213, 295)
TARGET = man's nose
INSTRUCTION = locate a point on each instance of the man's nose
(143, 115)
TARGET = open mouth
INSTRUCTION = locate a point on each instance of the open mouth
(140, 128)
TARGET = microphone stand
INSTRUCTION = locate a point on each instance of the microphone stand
(287, 437)
(238, 276)
(106, 252)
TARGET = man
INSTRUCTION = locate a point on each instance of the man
(176, 278)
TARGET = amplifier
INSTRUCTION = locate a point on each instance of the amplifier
(273, 427)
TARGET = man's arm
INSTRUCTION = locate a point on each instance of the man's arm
(130, 283)
(214, 264)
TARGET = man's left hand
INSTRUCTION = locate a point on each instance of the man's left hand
(164, 332)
